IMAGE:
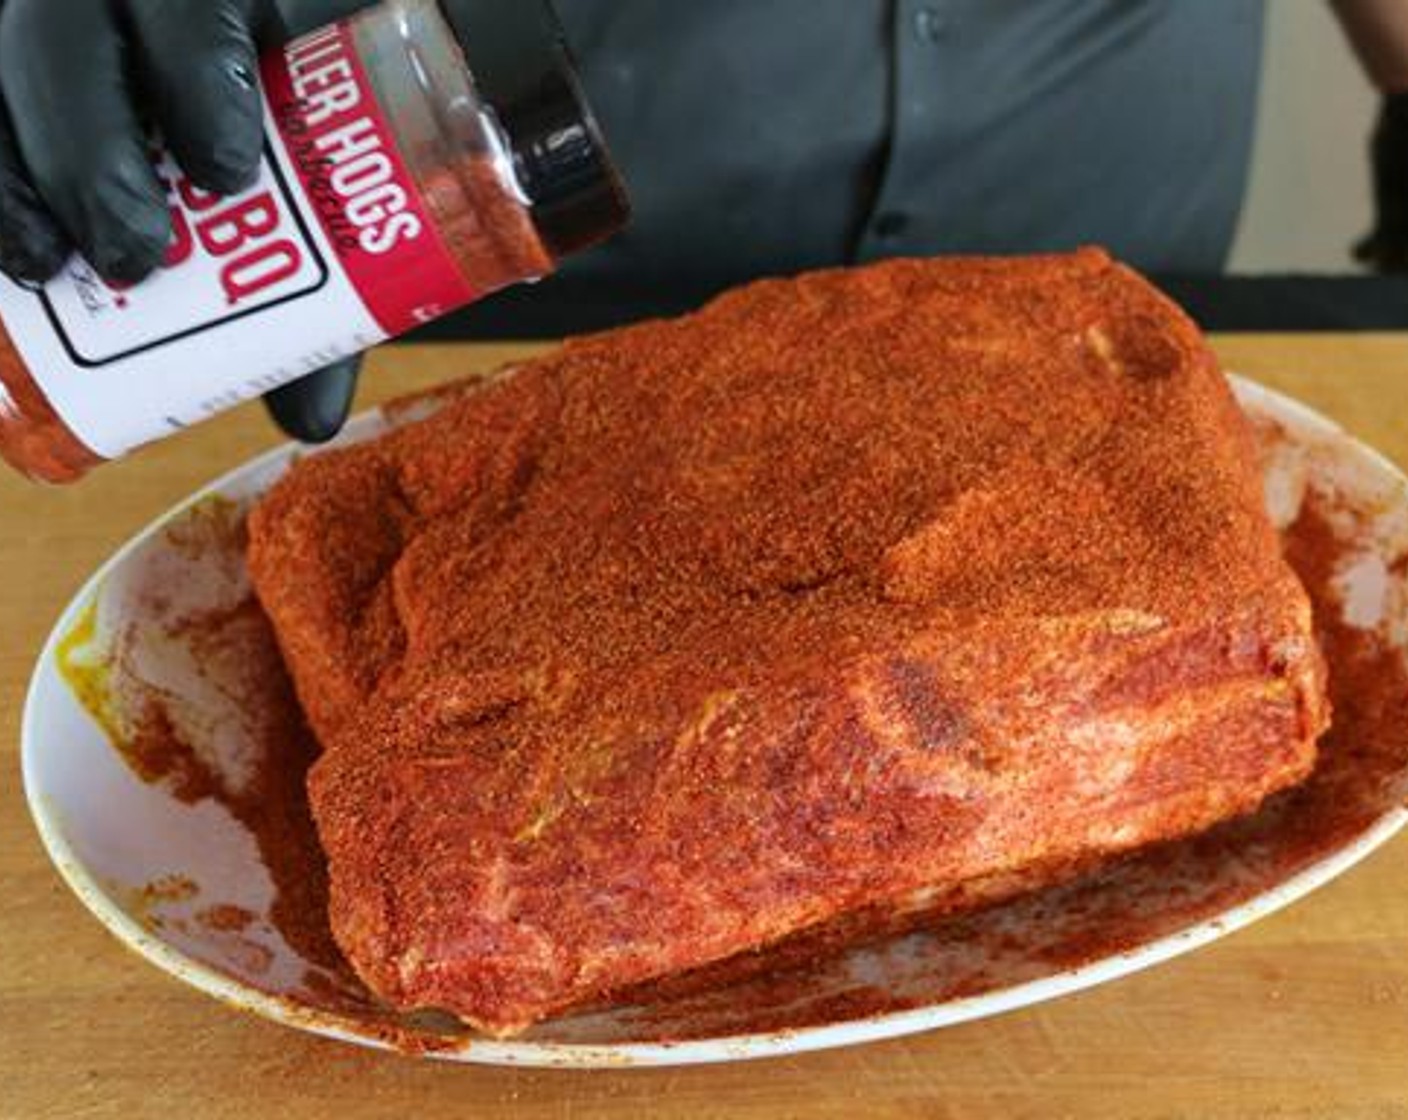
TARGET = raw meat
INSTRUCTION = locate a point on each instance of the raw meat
(851, 598)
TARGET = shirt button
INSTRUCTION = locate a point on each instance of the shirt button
(891, 224)
(931, 25)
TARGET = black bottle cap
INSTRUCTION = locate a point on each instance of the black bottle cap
(523, 69)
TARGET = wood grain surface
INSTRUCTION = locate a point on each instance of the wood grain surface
(1304, 1015)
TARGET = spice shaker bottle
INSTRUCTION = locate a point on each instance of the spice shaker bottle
(418, 156)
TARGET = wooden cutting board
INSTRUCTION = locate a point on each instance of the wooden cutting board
(1303, 1016)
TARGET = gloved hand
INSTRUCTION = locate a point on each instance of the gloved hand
(1386, 247)
(313, 409)
(81, 84)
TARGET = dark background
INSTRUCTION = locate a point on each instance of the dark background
(563, 306)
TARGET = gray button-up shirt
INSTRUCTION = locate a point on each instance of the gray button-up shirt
(766, 136)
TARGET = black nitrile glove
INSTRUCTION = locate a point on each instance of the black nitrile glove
(1386, 248)
(82, 83)
(314, 408)
(79, 78)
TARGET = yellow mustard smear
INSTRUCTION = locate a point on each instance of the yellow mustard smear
(87, 670)
(205, 526)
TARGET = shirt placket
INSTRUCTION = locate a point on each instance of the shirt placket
(923, 31)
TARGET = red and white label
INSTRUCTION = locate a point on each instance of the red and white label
(350, 169)
(228, 258)
(330, 252)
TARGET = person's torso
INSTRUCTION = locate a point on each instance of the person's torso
(766, 136)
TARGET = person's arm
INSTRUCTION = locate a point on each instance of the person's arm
(1378, 31)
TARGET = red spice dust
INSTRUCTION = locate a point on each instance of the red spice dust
(234, 647)
(226, 918)
(272, 806)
